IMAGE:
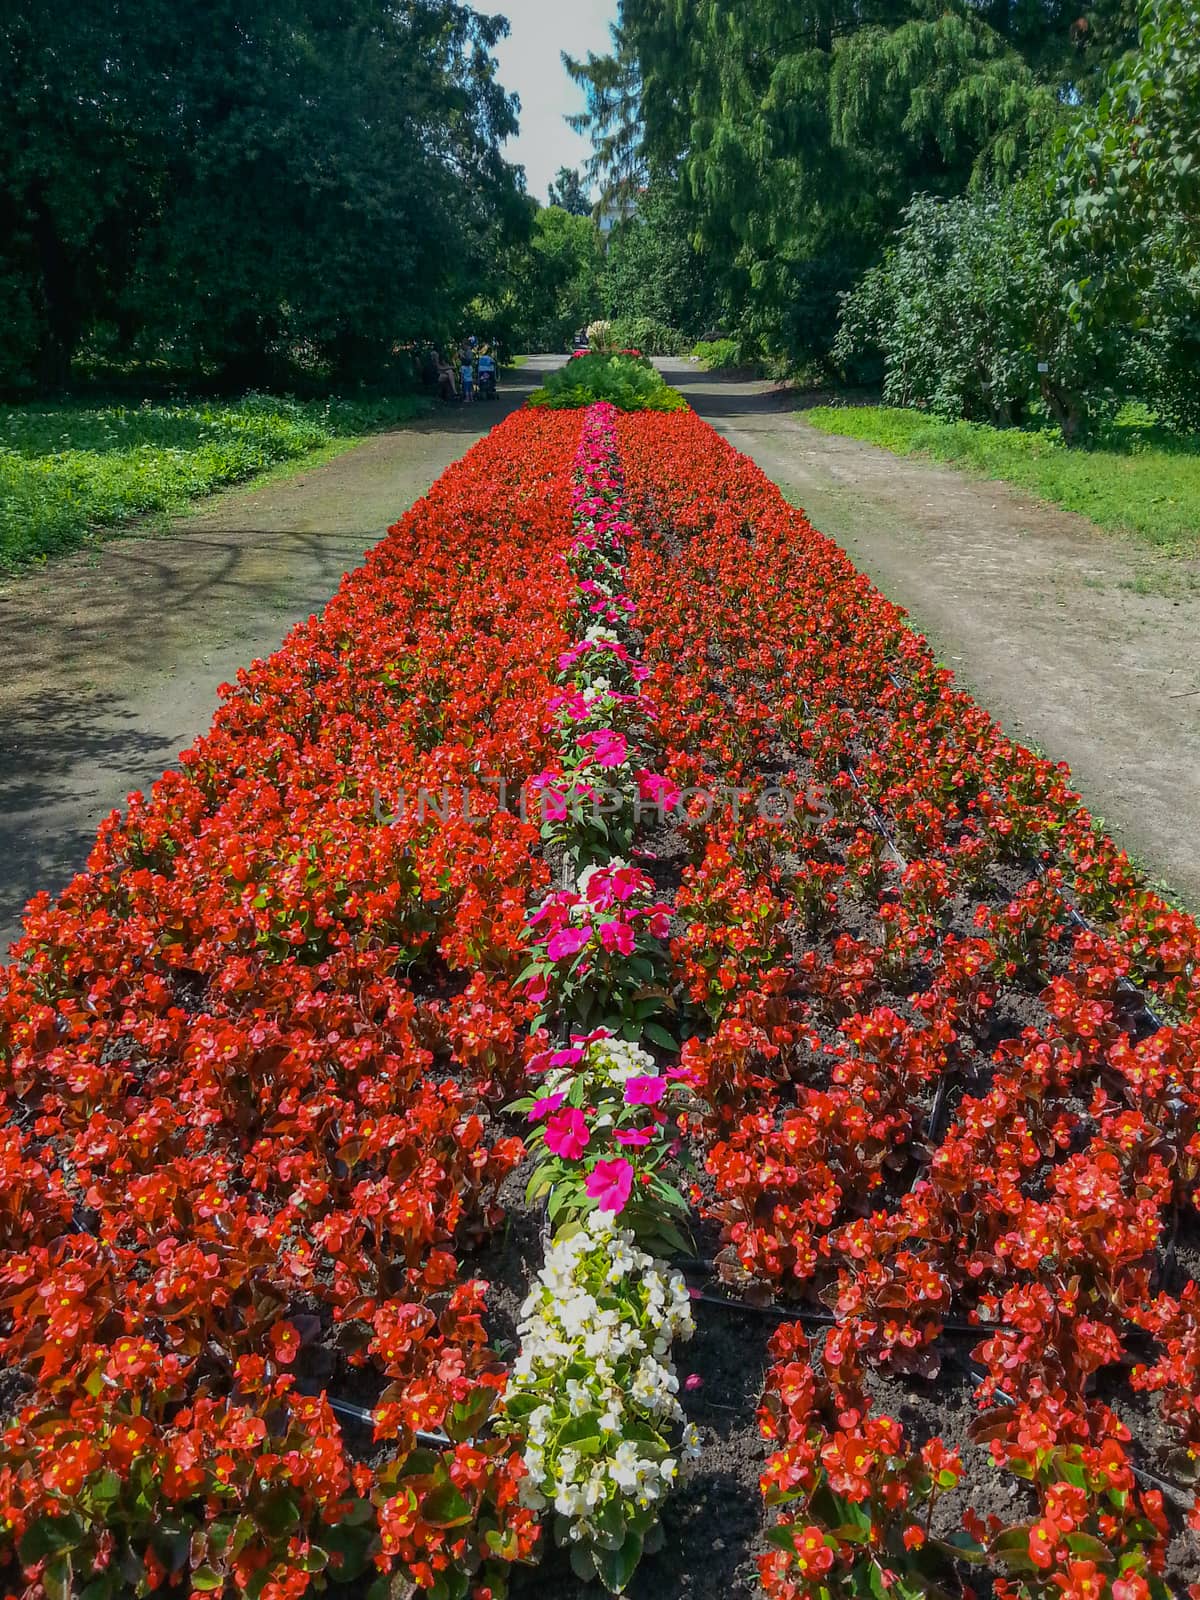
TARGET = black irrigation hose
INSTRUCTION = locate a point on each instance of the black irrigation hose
(347, 1411)
(827, 1319)
(874, 816)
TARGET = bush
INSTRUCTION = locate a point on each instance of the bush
(967, 305)
(628, 382)
(649, 335)
(718, 355)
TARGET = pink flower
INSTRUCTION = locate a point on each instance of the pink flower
(609, 1183)
(617, 935)
(635, 1138)
(653, 786)
(543, 1107)
(644, 1091)
(612, 886)
(567, 1134)
(567, 942)
(566, 1058)
(659, 925)
(608, 747)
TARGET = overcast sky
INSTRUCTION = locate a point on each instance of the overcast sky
(531, 66)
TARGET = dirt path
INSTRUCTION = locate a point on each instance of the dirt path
(110, 659)
(1072, 638)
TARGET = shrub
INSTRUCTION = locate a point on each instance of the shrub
(718, 355)
(628, 382)
(66, 469)
(966, 307)
(647, 333)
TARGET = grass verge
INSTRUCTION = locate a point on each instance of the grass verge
(1140, 479)
(70, 469)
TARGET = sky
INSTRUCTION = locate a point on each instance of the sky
(531, 67)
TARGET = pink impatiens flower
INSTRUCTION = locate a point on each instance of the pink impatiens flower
(567, 1134)
(608, 747)
(617, 936)
(661, 791)
(567, 942)
(609, 1183)
(634, 1138)
(644, 1091)
(543, 1107)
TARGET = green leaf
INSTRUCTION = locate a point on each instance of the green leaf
(56, 1577)
(1088, 1547)
(582, 1564)
(469, 1415)
(615, 1567)
(49, 1536)
(445, 1507)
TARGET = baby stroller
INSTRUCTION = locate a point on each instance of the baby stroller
(485, 383)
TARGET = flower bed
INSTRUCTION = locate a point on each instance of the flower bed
(934, 1097)
(246, 1062)
(794, 975)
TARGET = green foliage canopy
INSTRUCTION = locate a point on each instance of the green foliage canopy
(796, 131)
(237, 186)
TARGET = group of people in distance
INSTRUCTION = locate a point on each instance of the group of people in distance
(475, 374)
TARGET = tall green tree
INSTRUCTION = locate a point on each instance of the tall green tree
(569, 192)
(235, 185)
(550, 285)
(653, 273)
(796, 131)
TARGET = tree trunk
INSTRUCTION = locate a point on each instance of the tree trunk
(1066, 409)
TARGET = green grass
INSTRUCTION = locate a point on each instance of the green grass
(70, 469)
(1139, 479)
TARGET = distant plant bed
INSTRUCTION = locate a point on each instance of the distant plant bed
(718, 355)
(71, 468)
(1140, 478)
(625, 379)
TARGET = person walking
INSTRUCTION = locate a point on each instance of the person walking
(467, 377)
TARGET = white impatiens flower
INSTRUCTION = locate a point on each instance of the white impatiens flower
(593, 1390)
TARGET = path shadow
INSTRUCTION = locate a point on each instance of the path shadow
(716, 394)
(63, 767)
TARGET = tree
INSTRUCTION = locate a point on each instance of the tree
(1128, 188)
(550, 284)
(235, 186)
(569, 192)
(612, 116)
(653, 273)
(796, 131)
(1134, 165)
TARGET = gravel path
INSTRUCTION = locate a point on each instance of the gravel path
(110, 659)
(1084, 645)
